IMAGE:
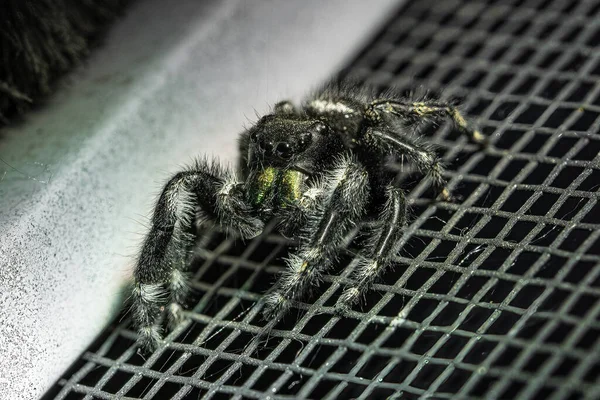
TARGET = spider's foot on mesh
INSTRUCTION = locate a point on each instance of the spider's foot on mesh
(175, 315)
(275, 304)
(295, 282)
(480, 138)
(147, 312)
(472, 133)
(446, 195)
(347, 300)
(364, 275)
(149, 338)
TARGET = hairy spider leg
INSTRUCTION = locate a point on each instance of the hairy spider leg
(159, 277)
(423, 156)
(423, 110)
(204, 192)
(379, 250)
(295, 215)
(379, 112)
(346, 194)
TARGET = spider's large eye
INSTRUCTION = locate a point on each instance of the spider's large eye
(284, 150)
(254, 137)
(267, 146)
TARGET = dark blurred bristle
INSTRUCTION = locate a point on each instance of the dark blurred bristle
(43, 39)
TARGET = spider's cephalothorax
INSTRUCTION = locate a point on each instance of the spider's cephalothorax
(319, 170)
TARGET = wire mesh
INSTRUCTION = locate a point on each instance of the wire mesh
(496, 295)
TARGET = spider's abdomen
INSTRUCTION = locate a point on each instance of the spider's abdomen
(271, 188)
(342, 115)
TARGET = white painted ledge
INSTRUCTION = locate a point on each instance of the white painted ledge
(175, 79)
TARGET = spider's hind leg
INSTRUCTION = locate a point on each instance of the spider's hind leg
(421, 154)
(415, 111)
(380, 249)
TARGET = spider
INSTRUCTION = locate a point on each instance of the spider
(319, 170)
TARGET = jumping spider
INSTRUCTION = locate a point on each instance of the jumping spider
(319, 170)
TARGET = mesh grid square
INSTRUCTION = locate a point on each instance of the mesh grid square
(496, 295)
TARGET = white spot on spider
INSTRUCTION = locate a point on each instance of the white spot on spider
(149, 293)
(350, 295)
(373, 266)
(181, 202)
(275, 298)
(227, 187)
(325, 106)
(426, 157)
(339, 173)
(178, 280)
(175, 310)
(310, 196)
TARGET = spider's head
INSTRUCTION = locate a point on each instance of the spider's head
(290, 142)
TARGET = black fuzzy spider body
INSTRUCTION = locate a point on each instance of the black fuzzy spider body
(320, 171)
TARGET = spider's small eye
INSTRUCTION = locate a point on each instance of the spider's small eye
(254, 137)
(320, 127)
(284, 150)
(305, 139)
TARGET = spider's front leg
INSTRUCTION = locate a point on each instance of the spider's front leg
(380, 248)
(204, 192)
(345, 193)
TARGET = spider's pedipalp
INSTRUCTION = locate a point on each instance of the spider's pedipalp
(346, 194)
(380, 249)
(233, 211)
(294, 216)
